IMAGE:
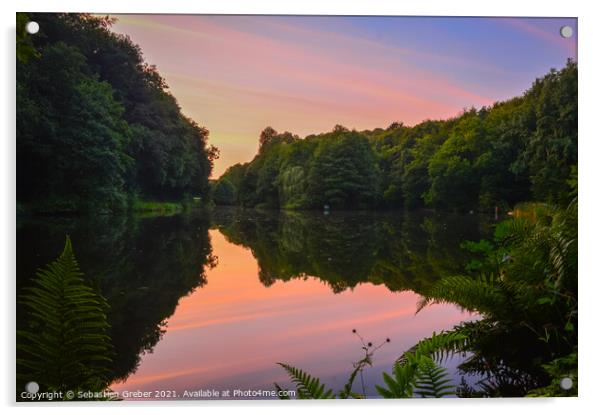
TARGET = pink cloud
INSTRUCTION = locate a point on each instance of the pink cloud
(235, 77)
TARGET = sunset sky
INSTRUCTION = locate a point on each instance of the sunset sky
(235, 75)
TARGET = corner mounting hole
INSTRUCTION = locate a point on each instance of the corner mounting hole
(32, 27)
(566, 31)
(566, 383)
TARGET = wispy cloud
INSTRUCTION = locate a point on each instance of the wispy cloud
(238, 74)
(531, 28)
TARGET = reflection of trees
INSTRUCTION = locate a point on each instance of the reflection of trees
(143, 267)
(400, 250)
(505, 360)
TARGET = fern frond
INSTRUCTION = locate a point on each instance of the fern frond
(64, 345)
(473, 294)
(401, 384)
(559, 251)
(516, 229)
(432, 380)
(438, 347)
(308, 387)
(416, 372)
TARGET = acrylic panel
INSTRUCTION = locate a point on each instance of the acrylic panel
(216, 207)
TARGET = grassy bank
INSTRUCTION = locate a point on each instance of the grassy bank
(154, 207)
(157, 207)
(151, 207)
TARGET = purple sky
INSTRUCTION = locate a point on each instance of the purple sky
(236, 75)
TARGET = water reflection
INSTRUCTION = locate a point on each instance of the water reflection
(229, 334)
(400, 250)
(142, 266)
(287, 287)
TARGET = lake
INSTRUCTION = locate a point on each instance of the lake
(213, 300)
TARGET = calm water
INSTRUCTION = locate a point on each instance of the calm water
(213, 301)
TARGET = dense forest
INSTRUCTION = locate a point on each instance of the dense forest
(517, 150)
(97, 128)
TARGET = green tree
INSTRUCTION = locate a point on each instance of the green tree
(551, 147)
(88, 100)
(454, 179)
(25, 48)
(513, 151)
(343, 173)
(414, 179)
(224, 192)
(72, 156)
(292, 183)
(235, 175)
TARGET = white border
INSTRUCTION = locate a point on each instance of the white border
(589, 222)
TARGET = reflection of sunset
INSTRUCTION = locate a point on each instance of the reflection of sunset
(231, 332)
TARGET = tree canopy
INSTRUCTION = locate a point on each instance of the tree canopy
(96, 124)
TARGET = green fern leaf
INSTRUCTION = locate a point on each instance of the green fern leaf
(439, 347)
(64, 345)
(432, 380)
(308, 387)
(481, 294)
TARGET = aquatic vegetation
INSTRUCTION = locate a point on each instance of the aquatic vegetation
(417, 373)
(524, 286)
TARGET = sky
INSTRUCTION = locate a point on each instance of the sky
(235, 75)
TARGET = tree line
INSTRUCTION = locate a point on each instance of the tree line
(521, 149)
(97, 127)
